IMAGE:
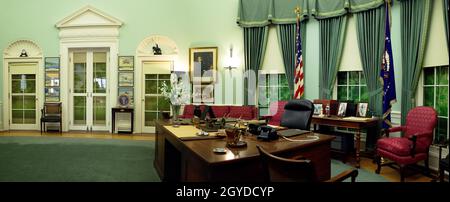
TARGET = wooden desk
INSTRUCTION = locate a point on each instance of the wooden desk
(357, 124)
(194, 161)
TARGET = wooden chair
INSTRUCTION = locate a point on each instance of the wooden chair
(52, 112)
(277, 169)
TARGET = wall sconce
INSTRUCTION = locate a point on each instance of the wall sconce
(230, 60)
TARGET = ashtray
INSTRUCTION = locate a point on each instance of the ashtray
(238, 144)
(220, 150)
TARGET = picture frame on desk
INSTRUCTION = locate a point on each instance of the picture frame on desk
(362, 109)
(342, 109)
(318, 109)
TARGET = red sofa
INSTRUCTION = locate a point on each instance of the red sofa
(276, 110)
(243, 112)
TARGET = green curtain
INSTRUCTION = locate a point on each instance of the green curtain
(287, 40)
(445, 2)
(370, 33)
(255, 41)
(333, 8)
(415, 18)
(260, 13)
(332, 32)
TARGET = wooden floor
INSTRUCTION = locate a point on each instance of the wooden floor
(366, 163)
(81, 134)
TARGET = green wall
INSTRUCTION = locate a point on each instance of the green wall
(189, 23)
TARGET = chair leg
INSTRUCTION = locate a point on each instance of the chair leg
(402, 173)
(378, 160)
(441, 174)
(427, 166)
(41, 127)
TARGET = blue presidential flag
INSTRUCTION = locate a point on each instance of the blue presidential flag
(387, 75)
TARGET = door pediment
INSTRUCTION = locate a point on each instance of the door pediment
(89, 16)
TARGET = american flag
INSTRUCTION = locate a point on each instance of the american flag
(299, 88)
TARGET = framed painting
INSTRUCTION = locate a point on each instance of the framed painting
(51, 64)
(126, 79)
(128, 91)
(126, 63)
(203, 93)
(203, 64)
(51, 78)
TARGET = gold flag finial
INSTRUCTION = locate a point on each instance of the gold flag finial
(297, 10)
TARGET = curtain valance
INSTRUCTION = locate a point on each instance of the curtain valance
(323, 9)
(260, 13)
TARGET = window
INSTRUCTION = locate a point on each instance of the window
(272, 87)
(352, 86)
(435, 94)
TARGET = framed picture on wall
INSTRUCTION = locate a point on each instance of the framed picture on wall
(203, 64)
(128, 91)
(126, 63)
(52, 64)
(126, 79)
(51, 78)
(203, 93)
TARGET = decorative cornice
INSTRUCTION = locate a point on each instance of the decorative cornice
(108, 20)
(14, 50)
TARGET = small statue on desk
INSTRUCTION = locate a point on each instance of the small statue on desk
(157, 50)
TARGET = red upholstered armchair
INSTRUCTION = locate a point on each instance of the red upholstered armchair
(414, 145)
(276, 110)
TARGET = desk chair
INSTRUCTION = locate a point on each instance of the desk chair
(277, 169)
(413, 146)
(52, 112)
(297, 114)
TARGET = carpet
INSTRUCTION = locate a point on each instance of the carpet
(363, 175)
(59, 159)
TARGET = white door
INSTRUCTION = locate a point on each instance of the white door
(89, 90)
(153, 103)
(23, 100)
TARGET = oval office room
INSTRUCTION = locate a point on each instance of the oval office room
(240, 91)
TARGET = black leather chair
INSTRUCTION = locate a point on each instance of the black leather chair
(52, 112)
(297, 114)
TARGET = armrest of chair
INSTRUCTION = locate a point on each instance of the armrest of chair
(413, 146)
(414, 141)
(299, 157)
(393, 130)
(353, 173)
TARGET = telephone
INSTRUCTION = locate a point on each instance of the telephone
(267, 133)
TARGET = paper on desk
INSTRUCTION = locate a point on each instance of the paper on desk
(354, 118)
(189, 132)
